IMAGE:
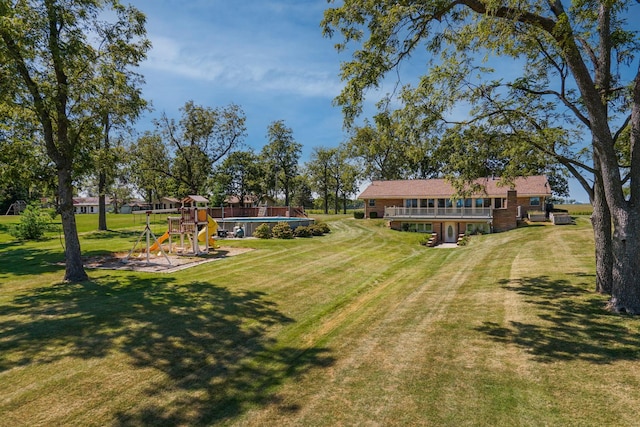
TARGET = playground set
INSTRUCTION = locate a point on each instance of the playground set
(193, 226)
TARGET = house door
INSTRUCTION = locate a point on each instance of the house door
(450, 232)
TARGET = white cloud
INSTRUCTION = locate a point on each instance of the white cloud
(244, 67)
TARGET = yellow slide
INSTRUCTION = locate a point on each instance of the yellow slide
(162, 238)
(213, 230)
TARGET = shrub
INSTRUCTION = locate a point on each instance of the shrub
(358, 214)
(322, 226)
(33, 224)
(373, 215)
(316, 229)
(282, 230)
(263, 231)
(302, 231)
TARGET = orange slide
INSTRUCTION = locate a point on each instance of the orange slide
(162, 238)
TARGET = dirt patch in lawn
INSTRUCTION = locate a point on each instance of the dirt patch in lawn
(159, 264)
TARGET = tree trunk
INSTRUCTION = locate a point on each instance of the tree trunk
(286, 192)
(325, 189)
(326, 200)
(102, 178)
(625, 292)
(102, 205)
(74, 271)
(601, 222)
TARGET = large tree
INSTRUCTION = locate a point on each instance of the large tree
(346, 178)
(119, 104)
(240, 175)
(202, 138)
(333, 175)
(150, 162)
(47, 50)
(319, 170)
(380, 153)
(578, 72)
(25, 170)
(282, 154)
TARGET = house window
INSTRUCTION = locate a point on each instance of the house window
(497, 203)
(372, 203)
(417, 227)
(467, 203)
(479, 203)
(91, 209)
(534, 201)
(408, 226)
(424, 228)
(411, 203)
(487, 203)
(449, 203)
(430, 203)
(477, 228)
(459, 203)
(441, 203)
(423, 203)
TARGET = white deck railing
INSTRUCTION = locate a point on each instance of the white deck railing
(452, 212)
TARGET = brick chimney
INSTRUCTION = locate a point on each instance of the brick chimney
(505, 219)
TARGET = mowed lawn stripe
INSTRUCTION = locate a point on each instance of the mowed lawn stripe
(378, 336)
(362, 326)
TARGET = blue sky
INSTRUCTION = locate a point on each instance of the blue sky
(267, 56)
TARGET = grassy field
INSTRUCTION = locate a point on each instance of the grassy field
(362, 326)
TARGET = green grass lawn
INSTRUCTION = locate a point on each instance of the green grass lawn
(361, 326)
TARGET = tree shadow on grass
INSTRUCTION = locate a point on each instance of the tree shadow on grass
(110, 234)
(6, 228)
(21, 260)
(573, 324)
(211, 344)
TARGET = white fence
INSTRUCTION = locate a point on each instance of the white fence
(451, 212)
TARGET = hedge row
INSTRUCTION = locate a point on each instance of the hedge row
(282, 230)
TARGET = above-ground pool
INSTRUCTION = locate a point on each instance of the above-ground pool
(250, 223)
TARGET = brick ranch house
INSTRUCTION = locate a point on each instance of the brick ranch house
(428, 205)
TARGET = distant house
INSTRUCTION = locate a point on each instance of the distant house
(134, 205)
(250, 200)
(165, 203)
(429, 205)
(89, 205)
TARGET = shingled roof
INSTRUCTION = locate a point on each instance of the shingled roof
(440, 188)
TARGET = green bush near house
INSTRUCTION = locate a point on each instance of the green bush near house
(33, 224)
(263, 231)
(320, 228)
(358, 214)
(282, 230)
(302, 231)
